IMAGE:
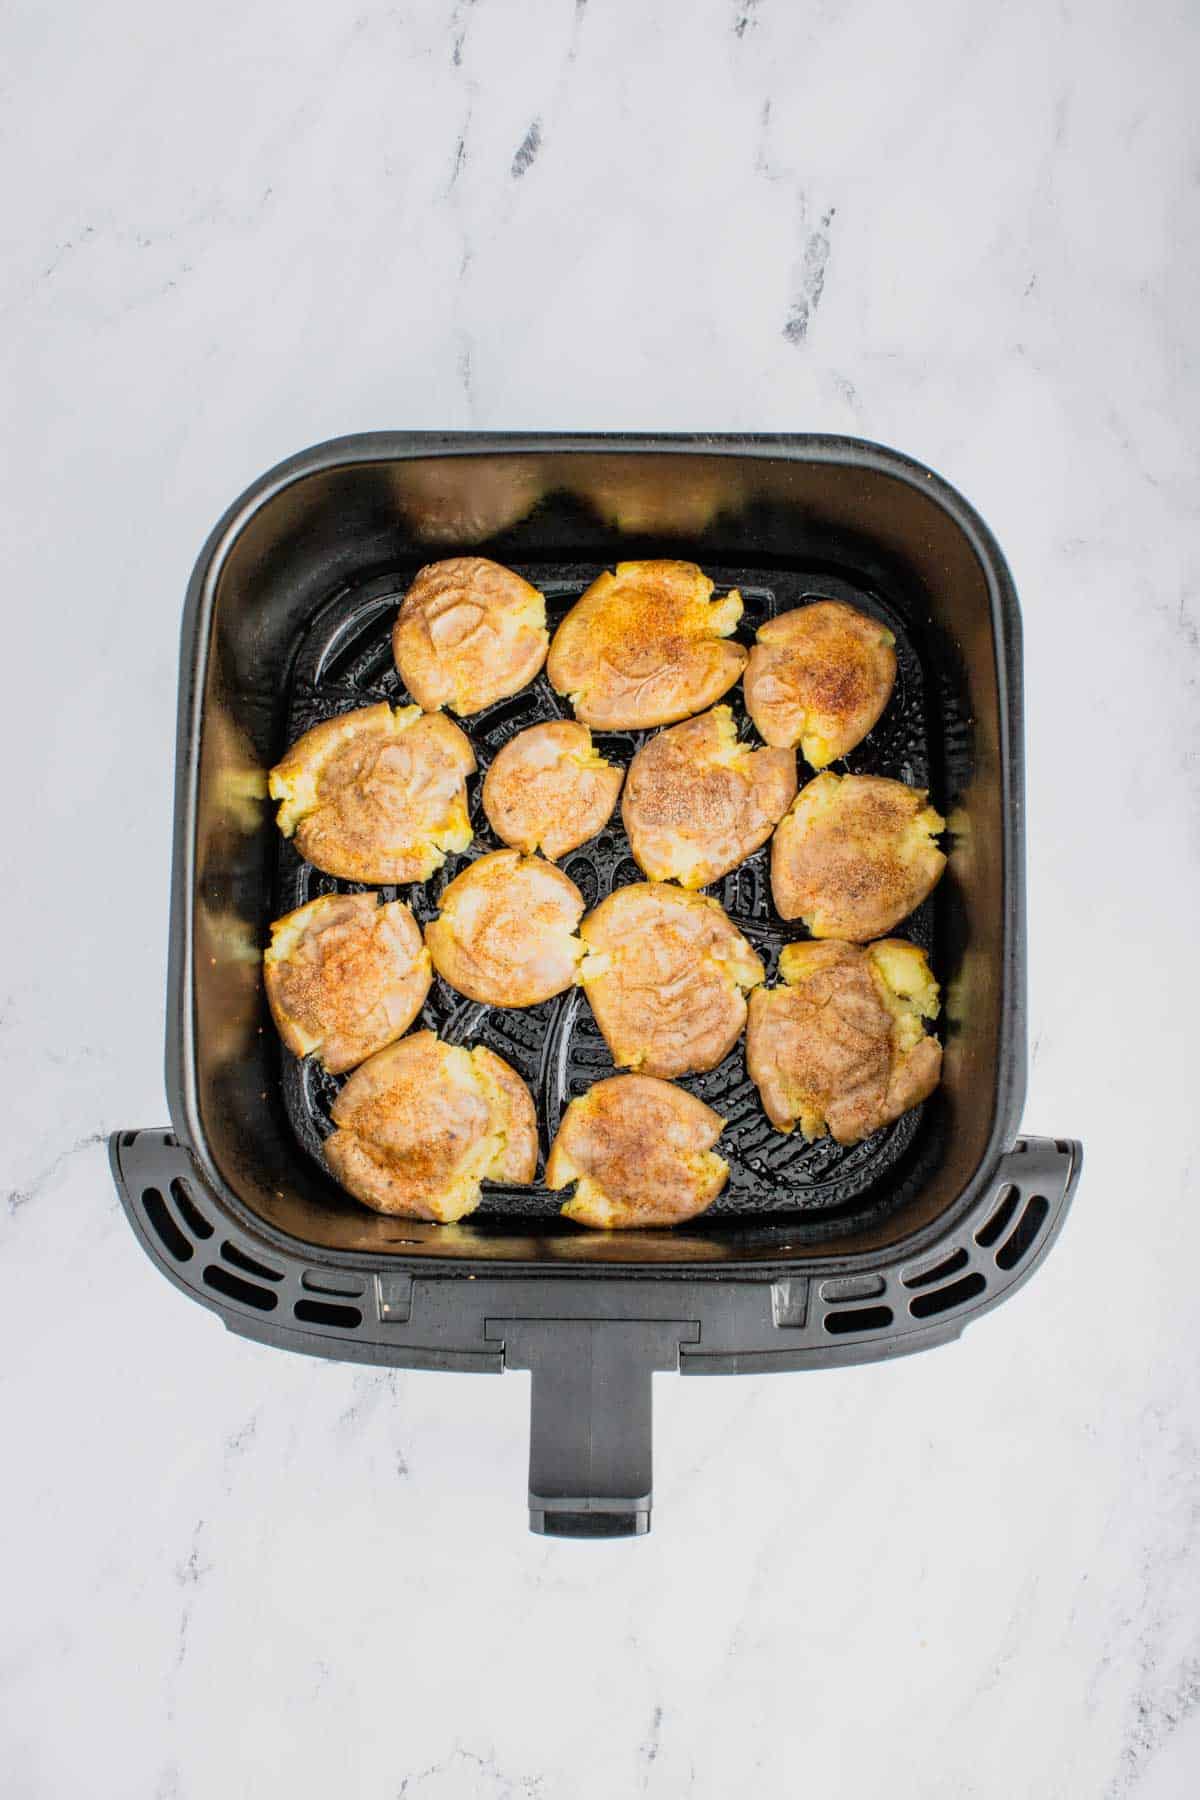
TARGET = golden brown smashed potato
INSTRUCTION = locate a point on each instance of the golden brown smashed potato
(640, 1152)
(376, 795)
(550, 790)
(855, 855)
(469, 632)
(646, 646)
(697, 802)
(423, 1123)
(506, 930)
(819, 676)
(345, 976)
(666, 974)
(842, 1047)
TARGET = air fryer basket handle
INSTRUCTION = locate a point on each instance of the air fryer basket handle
(590, 1452)
(590, 1418)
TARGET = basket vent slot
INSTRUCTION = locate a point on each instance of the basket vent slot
(940, 1300)
(1019, 1242)
(332, 1281)
(853, 1287)
(949, 1265)
(988, 1234)
(249, 1265)
(324, 1312)
(859, 1318)
(187, 1209)
(234, 1288)
(169, 1235)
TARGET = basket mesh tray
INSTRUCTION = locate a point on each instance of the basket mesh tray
(344, 661)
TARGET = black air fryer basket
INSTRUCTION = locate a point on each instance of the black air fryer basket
(815, 1255)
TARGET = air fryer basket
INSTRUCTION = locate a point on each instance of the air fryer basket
(815, 1255)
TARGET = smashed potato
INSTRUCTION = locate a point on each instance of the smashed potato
(640, 1152)
(855, 855)
(646, 646)
(469, 632)
(376, 794)
(345, 976)
(819, 676)
(506, 930)
(842, 1045)
(666, 974)
(697, 802)
(423, 1123)
(549, 789)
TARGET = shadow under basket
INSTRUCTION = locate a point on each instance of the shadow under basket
(815, 1256)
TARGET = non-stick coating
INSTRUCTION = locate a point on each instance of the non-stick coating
(345, 660)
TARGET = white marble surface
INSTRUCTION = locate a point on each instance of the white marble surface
(969, 231)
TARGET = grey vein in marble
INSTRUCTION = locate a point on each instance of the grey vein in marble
(17, 1197)
(527, 150)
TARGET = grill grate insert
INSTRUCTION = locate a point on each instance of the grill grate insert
(345, 661)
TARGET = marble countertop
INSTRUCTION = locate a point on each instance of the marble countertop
(967, 231)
